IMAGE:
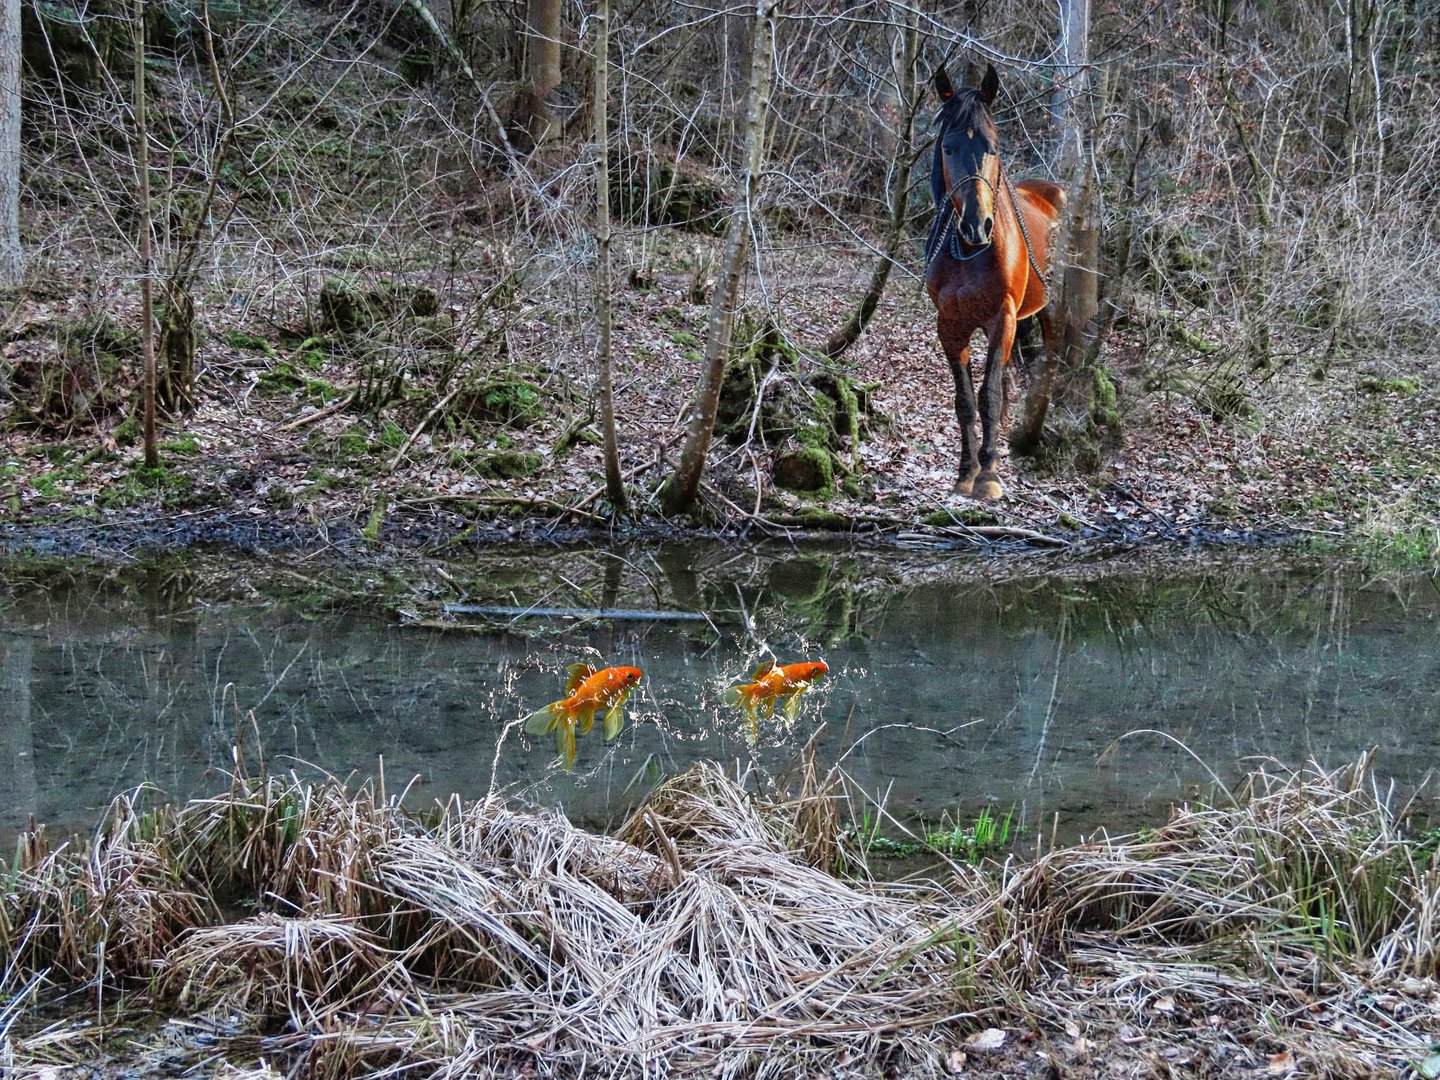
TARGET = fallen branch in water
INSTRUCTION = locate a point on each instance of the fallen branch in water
(626, 614)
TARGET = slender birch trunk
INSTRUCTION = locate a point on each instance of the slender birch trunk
(147, 257)
(605, 300)
(1073, 281)
(683, 487)
(11, 261)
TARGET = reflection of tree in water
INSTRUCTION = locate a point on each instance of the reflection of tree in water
(1294, 603)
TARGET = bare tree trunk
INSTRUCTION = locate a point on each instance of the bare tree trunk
(147, 296)
(604, 301)
(908, 103)
(681, 489)
(542, 65)
(1074, 271)
(11, 262)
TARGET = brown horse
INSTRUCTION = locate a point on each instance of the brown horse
(987, 257)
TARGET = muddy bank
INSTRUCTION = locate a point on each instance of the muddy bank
(255, 531)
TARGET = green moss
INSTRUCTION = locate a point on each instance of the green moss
(817, 517)
(129, 431)
(1103, 400)
(185, 444)
(970, 515)
(144, 485)
(247, 342)
(1402, 386)
(348, 306)
(279, 378)
(685, 338)
(351, 444)
(497, 464)
(508, 398)
(807, 468)
(392, 435)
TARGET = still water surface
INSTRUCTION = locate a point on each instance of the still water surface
(1063, 698)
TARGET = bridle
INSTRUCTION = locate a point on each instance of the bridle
(945, 233)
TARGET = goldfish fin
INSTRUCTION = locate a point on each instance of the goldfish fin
(752, 725)
(585, 719)
(614, 720)
(792, 704)
(542, 721)
(565, 744)
(763, 670)
(578, 674)
(733, 695)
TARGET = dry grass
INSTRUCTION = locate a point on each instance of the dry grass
(329, 931)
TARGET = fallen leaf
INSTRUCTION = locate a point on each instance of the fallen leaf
(1165, 1004)
(989, 1039)
(955, 1062)
(1282, 1062)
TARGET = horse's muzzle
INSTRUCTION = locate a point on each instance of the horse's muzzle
(977, 235)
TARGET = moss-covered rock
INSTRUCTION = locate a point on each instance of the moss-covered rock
(510, 398)
(651, 190)
(498, 464)
(347, 306)
(78, 369)
(804, 467)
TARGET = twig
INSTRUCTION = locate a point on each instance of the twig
(439, 407)
(320, 414)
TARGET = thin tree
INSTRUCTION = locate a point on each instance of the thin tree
(680, 491)
(1073, 276)
(11, 261)
(604, 300)
(147, 258)
(898, 193)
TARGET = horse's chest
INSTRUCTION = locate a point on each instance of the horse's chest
(970, 297)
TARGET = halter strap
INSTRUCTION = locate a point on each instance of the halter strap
(945, 232)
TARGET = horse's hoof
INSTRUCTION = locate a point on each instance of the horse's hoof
(964, 486)
(988, 486)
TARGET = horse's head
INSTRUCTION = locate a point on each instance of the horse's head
(967, 156)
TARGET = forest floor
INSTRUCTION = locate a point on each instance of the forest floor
(1344, 453)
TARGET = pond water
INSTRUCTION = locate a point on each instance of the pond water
(1082, 700)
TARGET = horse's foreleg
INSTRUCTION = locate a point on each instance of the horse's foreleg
(956, 344)
(1001, 338)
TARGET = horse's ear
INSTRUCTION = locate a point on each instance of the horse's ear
(990, 85)
(941, 82)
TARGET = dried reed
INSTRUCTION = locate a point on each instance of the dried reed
(327, 929)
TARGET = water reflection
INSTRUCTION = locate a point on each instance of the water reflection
(943, 695)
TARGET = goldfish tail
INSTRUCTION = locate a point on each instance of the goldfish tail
(733, 695)
(542, 721)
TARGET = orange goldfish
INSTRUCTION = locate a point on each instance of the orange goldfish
(586, 692)
(772, 683)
